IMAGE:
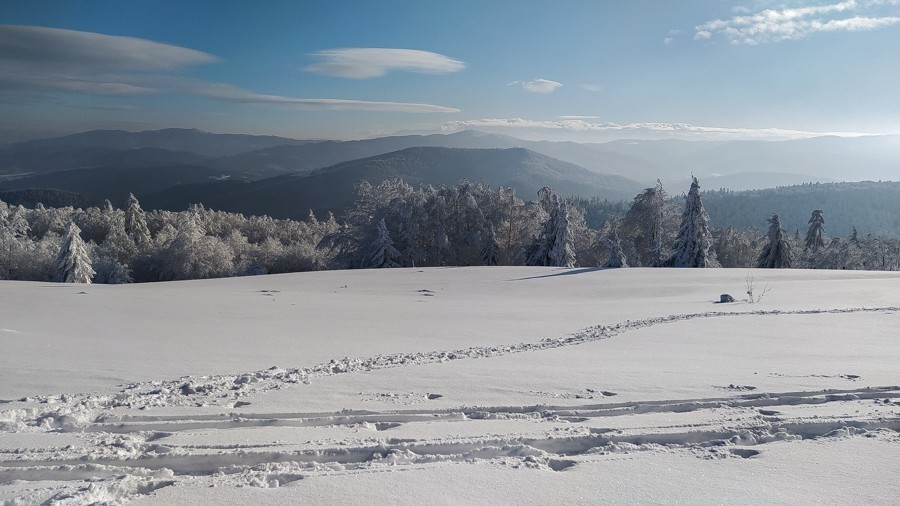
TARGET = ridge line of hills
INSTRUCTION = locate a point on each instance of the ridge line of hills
(285, 178)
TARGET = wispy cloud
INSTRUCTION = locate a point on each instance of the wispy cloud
(237, 95)
(50, 60)
(776, 25)
(110, 107)
(579, 124)
(593, 88)
(367, 62)
(35, 58)
(40, 46)
(544, 86)
(670, 38)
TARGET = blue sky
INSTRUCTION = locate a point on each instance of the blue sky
(557, 70)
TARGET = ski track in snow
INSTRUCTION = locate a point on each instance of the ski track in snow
(123, 455)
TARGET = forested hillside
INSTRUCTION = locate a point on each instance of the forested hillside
(395, 224)
(871, 207)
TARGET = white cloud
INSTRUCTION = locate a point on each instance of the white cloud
(34, 58)
(37, 59)
(576, 117)
(233, 94)
(606, 130)
(366, 62)
(39, 46)
(594, 88)
(543, 86)
(775, 25)
(110, 107)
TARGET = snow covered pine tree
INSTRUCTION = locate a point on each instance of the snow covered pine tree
(814, 239)
(383, 254)
(555, 246)
(694, 242)
(136, 223)
(617, 258)
(776, 254)
(490, 252)
(73, 265)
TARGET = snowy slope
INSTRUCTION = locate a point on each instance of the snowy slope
(453, 385)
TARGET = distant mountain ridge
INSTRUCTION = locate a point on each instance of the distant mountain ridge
(735, 164)
(171, 139)
(252, 173)
(115, 183)
(333, 188)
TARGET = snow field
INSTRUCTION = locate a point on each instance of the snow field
(451, 385)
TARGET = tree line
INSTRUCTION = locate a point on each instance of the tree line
(394, 224)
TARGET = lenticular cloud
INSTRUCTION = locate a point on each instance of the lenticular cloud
(366, 62)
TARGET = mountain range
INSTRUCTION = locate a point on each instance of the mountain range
(286, 177)
(333, 188)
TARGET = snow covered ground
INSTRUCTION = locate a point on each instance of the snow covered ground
(454, 385)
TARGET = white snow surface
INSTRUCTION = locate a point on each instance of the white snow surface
(454, 385)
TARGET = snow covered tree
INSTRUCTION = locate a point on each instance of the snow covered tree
(649, 226)
(73, 264)
(555, 244)
(694, 241)
(510, 218)
(736, 248)
(436, 241)
(776, 254)
(382, 254)
(814, 239)
(490, 252)
(192, 254)
(17, 224)
(136, 223)
(44, 221)
(617, 258)
(110, 272)
(562, 252)
(9, 242)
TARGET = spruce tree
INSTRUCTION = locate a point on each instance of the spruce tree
(555, 245)
(814, 239)
(694, 242)
(562, 253)
(383, 253)
(73, 264)
(136, 223)
(617, 258)
(490, 252)
(776, 254)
